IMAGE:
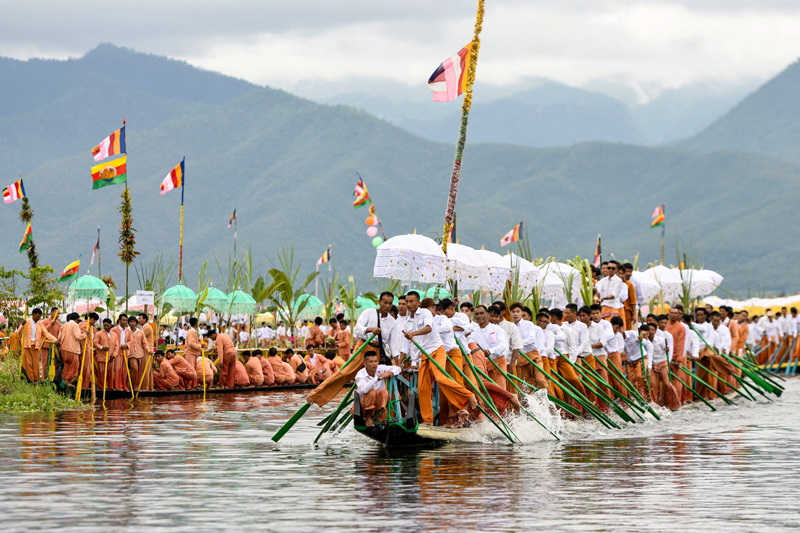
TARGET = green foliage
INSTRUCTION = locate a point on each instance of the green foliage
(286, 287)
(329, 289)
(154, 275)
(16, 395)
(9, 296)
(26, 215)
(43, 288)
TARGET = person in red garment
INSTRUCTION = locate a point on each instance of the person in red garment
(186, 372)
(226, 358)
(165, 378)
(278, 371)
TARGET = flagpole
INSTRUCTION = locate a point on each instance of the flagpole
(183, 188)
(316, 283)
(126, 188)
(99, 273)
(235, 231)
(663, 233)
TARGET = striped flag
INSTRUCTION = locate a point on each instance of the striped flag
(361, 194)
(233, 218)
(598, 254)
(26, 239)
(96, 247)
(449, 80)
(114, 144)
(512, 236)
(658, 216)
(174, 178)
(325, 257)
(15, 191)
(110, 173)
(71, 272)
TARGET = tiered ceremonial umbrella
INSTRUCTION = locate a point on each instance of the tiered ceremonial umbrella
(314, 307)
(700, 282)
(498, 271)
(411, 258)
(240, 303)
(646, 286)
(216, 300)
(437, 293)
(467, 268)
(668, 279)
(88, 288)
(529, 274)
(181, 298)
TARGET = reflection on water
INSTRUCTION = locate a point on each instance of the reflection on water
(179, 464)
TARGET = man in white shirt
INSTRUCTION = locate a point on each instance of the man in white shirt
(664, 392)
(548, 352)
(614, 347)
(637, 345)
(281, 332)
(600, 333)
(583, 353)
(244, 338)
(568, 344)
(399, 324)
(514, 339)
(611, 289)
(719, 364)
(420, 331)
(376, 322)
(371, 387)
(705, 332)
(494, 342)
(533, 340)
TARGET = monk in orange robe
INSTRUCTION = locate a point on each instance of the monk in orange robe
(318, 368)
(252, 365)
(165, 378)
(226, 358)
(104, 342)
(142, 354)
(675, 328)
(121, 351)
(240, 375)
(344, 342)
(266, 368)
(186, 372)
(209, 370)
(192, 348)
(298, 366)
(70, 338)
(277, 366)
(53, 326)
(33, 339)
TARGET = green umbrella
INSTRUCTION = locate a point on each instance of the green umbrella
(362, 304)
(181, 298)
(314, 306)
(443, 293)
(88, 288)
(240, 303)
(216, 300)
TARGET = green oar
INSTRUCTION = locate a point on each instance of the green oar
(715, 391)
(506, 375)
(477, 392)
(575, 394)
(596, 375)
(474, 370)
(325, 420)
(338, 410)
(559, 403)
(671, 373)
(749, 387)
(300, 412)
(765, 375)
(719, 378)
(612, 370)
(644, 371)
(598, 392)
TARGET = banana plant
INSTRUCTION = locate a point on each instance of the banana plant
(348, 295)
(329, 295)
(286, 288)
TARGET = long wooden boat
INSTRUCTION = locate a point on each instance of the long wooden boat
(114, 395)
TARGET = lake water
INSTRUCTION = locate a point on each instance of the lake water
(184, 465)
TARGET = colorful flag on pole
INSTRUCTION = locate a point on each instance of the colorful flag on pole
(71, 272)
(512, 236)
(26, 239)
(110, 173)
(598, 254)
(96, 247)
(361, 194)
(325, 257)
(114, 144)
(15, 191)
(658, 216)
(174, 179)
(233, 218)
(450, 80)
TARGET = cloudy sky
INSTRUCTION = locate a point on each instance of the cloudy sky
(647, 44)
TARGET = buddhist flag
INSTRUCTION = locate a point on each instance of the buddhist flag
(658, 216)
(71, 272)
(233, 218)
(110, 173)
(114, 144)
(325, 257)
(174, 179)
(96, 247)
(512, 236)
(361, 194)
(598, 254)
(26, 239)
(450, 80)
(15, 191)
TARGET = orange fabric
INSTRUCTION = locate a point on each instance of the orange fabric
(192, 348)
(227, 357)
(241, 379)
(495, 374)
(209, 370)
(664, 392)
(267, 372)
(277, 369)
(255, 374)
(373, 401)
(528, 373)
(186, 372)
(744, 332)
(71, 337)
(315, 336)
(629, 306)
(289, 377)
(679, 340)
(615, 360)
(329, 388)
(166, 378)
(343, 343)
(296, 361)
(456, 394)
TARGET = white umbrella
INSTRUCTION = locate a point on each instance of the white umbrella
(647, 288)
(700, 282)
(529, 274)
(668, 279)
(568, 275)
(498, 270)
(552, 287)
(410, 258)
(466, 267)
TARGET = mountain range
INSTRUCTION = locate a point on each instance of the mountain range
(288, 165)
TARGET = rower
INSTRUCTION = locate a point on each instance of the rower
(252, 365)
(225, 359)
(493, 341)
(719, 365)
(165, 378)
(371, 386)
(297, 365)
(318, 369)
(266, 368)
(664, 392)
(637, 344)
(533, 340)
(497, 316)
(278, 370)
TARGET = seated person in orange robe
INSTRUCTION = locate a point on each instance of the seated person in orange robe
(266, 368)
(297, 365)
(318, 370)
(240, 378)
(209, 371)
(278, 370)
(165, 378)
(186, 372)
(371, 385)
(252, 366)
